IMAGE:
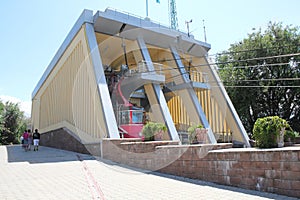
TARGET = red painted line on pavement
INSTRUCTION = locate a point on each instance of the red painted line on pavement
(90, 178)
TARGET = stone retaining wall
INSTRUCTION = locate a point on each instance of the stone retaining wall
(272, 170)
(64, 139)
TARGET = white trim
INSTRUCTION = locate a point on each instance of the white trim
(105, 100)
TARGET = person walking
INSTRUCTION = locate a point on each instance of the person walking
(25, 138)
(29, 140)
(36, 140)
(22, 141)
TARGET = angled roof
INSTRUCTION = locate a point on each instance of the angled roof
(126, 25)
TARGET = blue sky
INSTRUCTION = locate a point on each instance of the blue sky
(33, 30)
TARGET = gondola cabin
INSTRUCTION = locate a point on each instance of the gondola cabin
(131, 122)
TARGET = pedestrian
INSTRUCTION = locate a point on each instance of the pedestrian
(22, 140)
(29, 140)
(36, 140)
(25, 138)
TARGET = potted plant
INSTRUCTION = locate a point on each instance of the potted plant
(154, 131)
(197, 134)
(289, 137)
(269, 132)
(297, 138)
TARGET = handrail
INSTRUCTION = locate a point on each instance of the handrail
(142, 68)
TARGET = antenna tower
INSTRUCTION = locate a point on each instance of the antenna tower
(173, 14)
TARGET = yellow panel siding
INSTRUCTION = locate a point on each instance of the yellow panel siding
(171, 106)
(97, 121)
(218, 117)
(205, 108)
(182, 113)
(70, 92)
(219, 120)
(213, 112)
(202, 99)
(177, 111)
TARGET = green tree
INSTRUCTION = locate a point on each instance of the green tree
(1, 117)
(261, 75)
(13, 123)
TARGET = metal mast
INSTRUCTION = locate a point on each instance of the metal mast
(173, 14)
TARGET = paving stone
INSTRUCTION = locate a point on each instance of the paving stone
(57, 174)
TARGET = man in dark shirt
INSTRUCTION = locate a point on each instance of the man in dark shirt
(36, 139)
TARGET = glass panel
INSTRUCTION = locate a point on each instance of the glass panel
(137, 116)
(124, 117)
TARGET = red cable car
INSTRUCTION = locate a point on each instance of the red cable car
(131, 122)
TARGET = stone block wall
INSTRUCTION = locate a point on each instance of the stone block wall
(272, 170)
(64, 139)
(275, 171)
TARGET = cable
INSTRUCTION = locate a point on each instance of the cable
(240, 67)
(237, 67)
(258, 58)
(254, 66)
(251, 50)
(211, 55)
(234, 61)
(257, 86)
(262, 80)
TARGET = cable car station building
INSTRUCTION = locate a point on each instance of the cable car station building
(115, 70)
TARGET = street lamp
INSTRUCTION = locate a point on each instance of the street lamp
(188, 27)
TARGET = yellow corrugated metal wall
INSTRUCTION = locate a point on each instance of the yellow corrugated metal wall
(70, 95)
(216, 119)
(212, 108)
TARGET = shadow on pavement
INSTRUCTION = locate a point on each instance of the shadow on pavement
(15, 153)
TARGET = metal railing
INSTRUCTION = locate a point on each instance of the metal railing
(153, 23)
(143, 67)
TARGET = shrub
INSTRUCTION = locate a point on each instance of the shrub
(290, 136)
(266, 131)
(152, 128)
(192, 132)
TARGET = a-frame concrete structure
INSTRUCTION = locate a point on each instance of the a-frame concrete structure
(166, 72)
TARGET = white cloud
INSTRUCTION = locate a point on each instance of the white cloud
(24, 105)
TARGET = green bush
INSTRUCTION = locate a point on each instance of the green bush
(192, 132)
(290, 136)
(151, 128)
(266, 131)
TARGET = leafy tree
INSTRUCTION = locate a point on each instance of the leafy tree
(1, 117)
(13, 123)
(262, 75)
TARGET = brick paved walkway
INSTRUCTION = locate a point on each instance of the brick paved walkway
(61, 175)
